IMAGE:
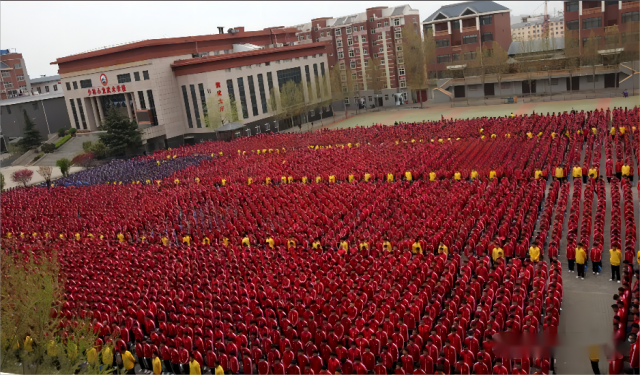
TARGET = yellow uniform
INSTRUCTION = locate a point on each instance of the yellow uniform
(622, 129)
(219, 370)
(290, 179)
(194, 367)
(249, 181)
(316, 245)
(432, 176)
(416, 248)
(318, 179)
(367, 177)
(389, 177)
(474, 175)
(92, 356)
(28, 344)
(187, 240)
(120, 237)
(72, 351)
(408, 176)
(267, 180)
(581, 255)
(529, 135)
(626, 170)
(270, 242)
(225, 241)
(107, 356)
(538, 174)
(613, 131)
(457, 176)
(497, 253)
(344, 245)
(165, 241)
(615, 257)
(577, 172)
(52, 349)
(352, 178)
(304, 180)
(128, 360)
(246, 242)
(291, 243)
(157, 366)
(364, 246)
(559, 172)
(593, 172)
(534, 253)
(332, 179)
(443, 249)
(386, 245)
(492, 175)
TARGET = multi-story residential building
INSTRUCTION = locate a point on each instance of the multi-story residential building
(461, 29)
(15, 80)
(45, 84)
(170, 85)
(354, 40)
(532, 29)
(603, 19)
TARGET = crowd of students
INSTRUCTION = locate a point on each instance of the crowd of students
(405, 249)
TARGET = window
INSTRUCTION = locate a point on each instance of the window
(348, 29)
(341, 55)
(590, 78)
(263, 98)
(232, 97)
(371, 19)
(68, 86)
(75, 85)
(186, 106)
(386, 23)
(455, 25)
(252, 94)
(630, 17)
(346, 100)
(486, 20)
(381, 61)
(396, 22)
(403, 84)
(322, 34)
(124, 78)
(196, 111)
(349, 41)
(373, 31)
(85, 83)
(353, 76)
(386, 96)
(237, 135)
(17, 66)
(443, 59)
(84, 122)
(343, 77)
(469, 39)
(338, 42)
(586, 40)
(363, 39)
(143, 105)
(470, 55)
(152, 105)
(400, 71)
(505, 85)
(352, 64)
(341, 65)
(338, 32)
(267, 127)
(442, 43)
(487, 37)
(455, 57)
(398, 34)
(6, 74)
(351, 53)
(591, 23)
(46, 89)
(366, 63)
(379, 37)
(136, 76)
(20, 78)
(554, 81)
(630, 37)
(243, 98)
(75, 114)
(398, 48)
(39, 90)
(572, 6)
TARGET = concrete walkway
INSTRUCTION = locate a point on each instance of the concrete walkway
(69, 150)
(36, 178)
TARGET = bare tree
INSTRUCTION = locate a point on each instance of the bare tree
(375, 77)
(414, 61)
(45, 172)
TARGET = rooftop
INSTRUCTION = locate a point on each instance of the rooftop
(536, 45)
(458, 9)
(535, 21)
(32, 98)
(45, 79)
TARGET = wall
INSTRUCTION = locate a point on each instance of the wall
(57, 83)
(12, 59)
(53, 111)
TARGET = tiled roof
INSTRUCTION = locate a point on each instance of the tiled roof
(455, 10)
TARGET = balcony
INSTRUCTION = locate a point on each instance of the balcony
(589, 11)
(611, 29)
(442, 32)
(470, 29)
(457, 48)
(630, 4)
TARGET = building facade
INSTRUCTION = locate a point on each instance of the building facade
(165, 84)
(356, 39)
(48, 112)
(604, 20)
(461, 30)
(15, 80)
(44, 85)
(532, 29)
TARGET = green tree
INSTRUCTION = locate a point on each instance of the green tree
(219, 114)
(338, 86)
(590, 56)
(429, 49)
(375, 77)
(290, 103)
(31, 137)
(324, 96)
(64, 164)
(1, 181)
(121, 134)
(30, 291)
(414, 60)
(99, 150)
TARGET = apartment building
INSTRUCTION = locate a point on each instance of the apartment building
(15, 80)
(354, 40)
(461, 29)
(46, 84)
(532, 29)
(605, 19)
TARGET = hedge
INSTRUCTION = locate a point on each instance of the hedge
(63, 140)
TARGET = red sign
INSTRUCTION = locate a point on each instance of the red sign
(107, 90)
(103, 79)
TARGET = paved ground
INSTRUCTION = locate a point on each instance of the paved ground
(36, 179)
(69, 150)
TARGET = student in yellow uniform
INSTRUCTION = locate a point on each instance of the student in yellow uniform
(128, 361)
(224, 182)
(305, 180)
(408, 176)
(187, 240)
(249, 181)
(52, 349)
(457, 176)
(581, 260)
(622, 130)
(107, 356)
(318, 179)
(443, 249)
(194, 366)
(593, 172)
(157, 364)
(492, 175)
(537, 174)
(416, 248)
(534, 252)
(28, 344)
(92, 356)
(291, 243)
(612, 131)
(72, 350)
(165, 241)
(496, 254)
(638, 258)
(364, 245)
(197, 180)
(576, 172)
(283, 180)
(386, 245)
(615, 259)
(367, 177)
(206, 241)
(474, 175)
(332, 179)
(290, 179)
(270, 242)
(245, 241)
(389, 177)
(120, 237)
(267, 180)
(316, 244)
(530, 135)
(626, 171)
(218, 369)
(559, 174)
(344, 245)
(432, 176)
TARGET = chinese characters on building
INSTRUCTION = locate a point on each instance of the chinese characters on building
(107, 90)
(219, 95)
